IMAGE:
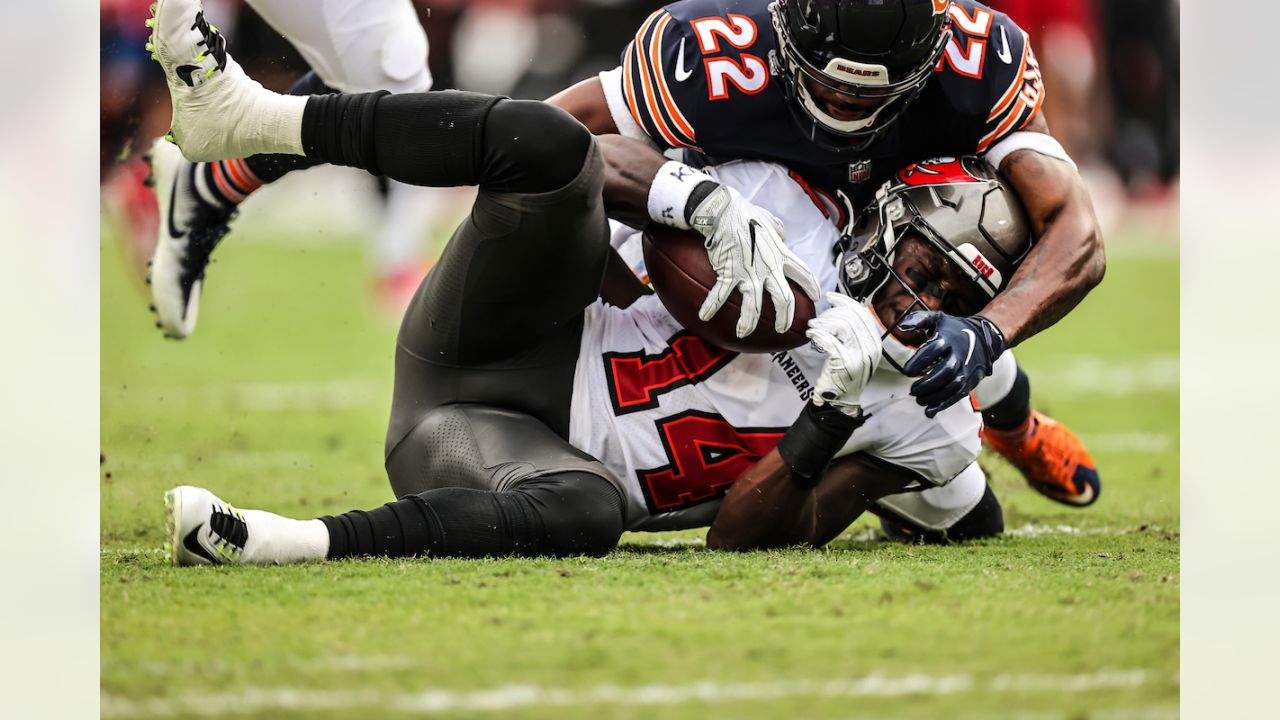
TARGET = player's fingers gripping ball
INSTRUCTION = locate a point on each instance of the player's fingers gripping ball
(850, 336)
(746, 246)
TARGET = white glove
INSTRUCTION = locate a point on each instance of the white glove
(748, 250)
(850, 335)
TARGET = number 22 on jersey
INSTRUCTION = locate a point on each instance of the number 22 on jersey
(749, 73)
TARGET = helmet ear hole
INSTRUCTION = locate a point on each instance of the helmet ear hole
(958, 207)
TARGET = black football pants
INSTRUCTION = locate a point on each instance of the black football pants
(477, 443)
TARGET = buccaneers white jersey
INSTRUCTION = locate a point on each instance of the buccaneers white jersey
(678, 420)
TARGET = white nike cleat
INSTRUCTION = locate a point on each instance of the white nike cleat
(189, 229)
(202, 529)
(219, 112)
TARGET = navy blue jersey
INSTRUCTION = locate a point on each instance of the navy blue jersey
(697, 77)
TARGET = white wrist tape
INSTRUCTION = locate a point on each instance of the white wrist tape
(670, 193)
(1046, 145)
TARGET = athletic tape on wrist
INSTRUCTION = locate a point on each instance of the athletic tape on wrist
(669, 194)
(814, 439)
(1046, 145)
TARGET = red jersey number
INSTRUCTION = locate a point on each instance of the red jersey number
(705, 456)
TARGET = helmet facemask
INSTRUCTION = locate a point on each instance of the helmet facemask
(867, 267)
(860, 82)
(964, 234)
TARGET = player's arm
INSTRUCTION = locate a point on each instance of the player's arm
(768, 507)
(586, 102)
(776, 502)
(1067, 260)
(765, 508)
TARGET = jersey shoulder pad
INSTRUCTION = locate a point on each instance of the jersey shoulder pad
(658, 80)
(989, 72)
(690, 55)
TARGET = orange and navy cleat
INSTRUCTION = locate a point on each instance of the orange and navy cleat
(1051, 458)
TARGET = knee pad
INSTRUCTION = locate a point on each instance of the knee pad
(964, 509)
(984, 520)
(475, 446)
(533, 147)
(440, 451)
(403, 60)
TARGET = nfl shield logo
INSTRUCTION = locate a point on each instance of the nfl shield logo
(859, 171)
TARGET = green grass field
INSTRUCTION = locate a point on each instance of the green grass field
(280, 402)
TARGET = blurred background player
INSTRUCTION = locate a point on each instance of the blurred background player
(350, 46)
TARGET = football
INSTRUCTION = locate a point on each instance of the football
(682, 276)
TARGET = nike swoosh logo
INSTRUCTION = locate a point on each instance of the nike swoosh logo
(972, 339)
(1003, 53)
(174, 232)
(681, 73)
(191, 543)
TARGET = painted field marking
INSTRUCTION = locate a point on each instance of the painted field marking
(516, 697)
(1095, 374)
(337, 394)
(295, 665)
(1135, 442)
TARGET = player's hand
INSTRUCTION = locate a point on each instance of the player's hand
(850, 336)
(958, 354)
(748, 250)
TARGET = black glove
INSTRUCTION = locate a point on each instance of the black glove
(957, 355)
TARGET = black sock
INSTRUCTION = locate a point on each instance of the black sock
(229, 182)
(427, 139)
(1012, 411)
(449, 138)
(564, 514)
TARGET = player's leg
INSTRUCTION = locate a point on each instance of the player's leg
(506, 298)
(964, 509)
(473, 481)
(197, 202)
(362, 46)
(352, 46)
(355, 45)
(1051, 458)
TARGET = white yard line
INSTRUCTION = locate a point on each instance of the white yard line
(336, 394)
(1094, 374)
(518, 697)
(1136, 442)
(295, 665)
(234, 459)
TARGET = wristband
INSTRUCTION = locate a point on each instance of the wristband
(993, 338)
(670, 193)
(814, 439)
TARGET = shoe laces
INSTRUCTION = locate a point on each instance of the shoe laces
(230, 531)
(202, 241)
(215, 44)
